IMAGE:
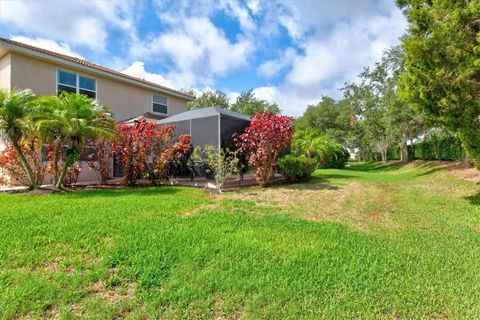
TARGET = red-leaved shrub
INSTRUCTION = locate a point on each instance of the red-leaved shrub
(12, 170)
(101, 161)
(165, 150)
(263, 141)
(133, 147)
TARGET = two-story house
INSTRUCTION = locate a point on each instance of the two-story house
(47, 73)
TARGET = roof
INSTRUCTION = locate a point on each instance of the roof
(203, 113)
(149, 116)
(95, 68)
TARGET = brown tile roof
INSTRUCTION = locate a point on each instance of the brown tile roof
(93, 65)
(147, 116)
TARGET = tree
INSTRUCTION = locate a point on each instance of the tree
(221, 162)
(248, 104)
(383, 119)
(70, 120)
(16, 109)
(332, 118)
(209, 98)
(263, 141)
(442, 64)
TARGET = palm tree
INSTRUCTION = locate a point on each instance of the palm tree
(68, 122)
(16, 120)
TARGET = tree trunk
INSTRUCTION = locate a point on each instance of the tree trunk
(55, 163)
(384, 156)
(59, 183)
(26, 166)
(70, 160)
(404, 152)
(467, 162)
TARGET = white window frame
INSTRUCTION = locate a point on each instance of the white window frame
(167, 105)
(77, 86)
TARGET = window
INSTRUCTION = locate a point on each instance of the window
(160, 104)
(75, 83)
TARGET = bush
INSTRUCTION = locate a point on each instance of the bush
(439, 147)
(220, 162)
(336, 159)
(326, 152)
(263, 141)
(295, 168)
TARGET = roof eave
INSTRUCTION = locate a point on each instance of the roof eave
(58, 60)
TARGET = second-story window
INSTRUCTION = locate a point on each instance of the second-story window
(75, 83)
(160, 104)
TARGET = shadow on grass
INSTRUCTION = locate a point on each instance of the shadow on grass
(132, 191)
(377, 167)
(315, 183)
(474, 199)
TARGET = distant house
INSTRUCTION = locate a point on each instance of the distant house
(48, 73)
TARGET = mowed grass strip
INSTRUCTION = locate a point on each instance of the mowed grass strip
(370, 241)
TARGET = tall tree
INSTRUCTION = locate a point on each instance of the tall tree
(383, 118)
(332, 118)
(248, 104)
(442, 63)
(15, 119)
(209, 98)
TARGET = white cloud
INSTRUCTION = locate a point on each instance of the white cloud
(60, 47)
(137, 69)
(271, 68)
(77, 22)
(198, 50)
(335, 41)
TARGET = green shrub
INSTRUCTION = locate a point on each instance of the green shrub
(439, 147)
(295, 168)
(326, 152)
(336, 159)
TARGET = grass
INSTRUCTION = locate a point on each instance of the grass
(369, 241)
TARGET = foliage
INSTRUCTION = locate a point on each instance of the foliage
(248, 104)
(439, 146)
(382, 118)
(67, 122)
(208, 98)
(221, 162)
(263, 141)
(327, 153)
(332, 118)
(164, 150)
(442, 63)
(101, 160)
(16, 114)
(337, 159)
(133, 148)
(13, 168)
(296, 168)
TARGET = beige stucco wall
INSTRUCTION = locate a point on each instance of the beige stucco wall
(5, 72)
(125, 100)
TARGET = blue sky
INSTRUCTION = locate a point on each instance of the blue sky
(288, 51)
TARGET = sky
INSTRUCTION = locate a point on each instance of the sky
(291, 52)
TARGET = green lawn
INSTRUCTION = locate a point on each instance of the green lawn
(369, 241)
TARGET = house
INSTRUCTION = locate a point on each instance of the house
(46, 72)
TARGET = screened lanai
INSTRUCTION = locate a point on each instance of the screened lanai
(208, 126)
